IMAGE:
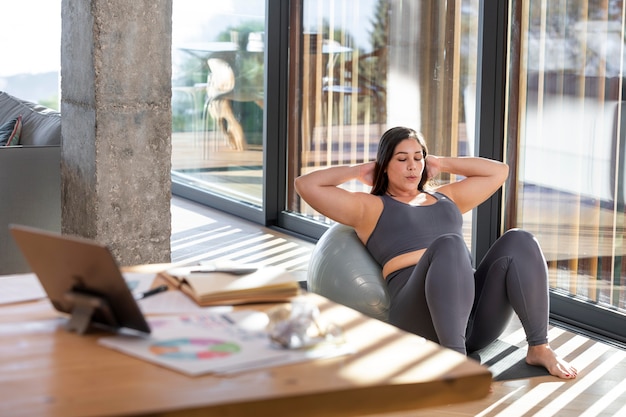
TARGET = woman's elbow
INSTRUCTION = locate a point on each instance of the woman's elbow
(504, 172)
(297, 183)
(301, 187)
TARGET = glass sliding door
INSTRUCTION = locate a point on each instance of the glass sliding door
(358, 68)
(567, 136)
(218, 97)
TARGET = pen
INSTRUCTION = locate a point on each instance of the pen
(152, 291)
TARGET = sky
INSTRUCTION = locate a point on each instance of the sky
(33, 44)
(30, 43)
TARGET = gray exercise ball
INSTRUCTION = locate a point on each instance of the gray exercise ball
(342, 270)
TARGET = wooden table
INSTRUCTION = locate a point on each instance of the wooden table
(47, 371)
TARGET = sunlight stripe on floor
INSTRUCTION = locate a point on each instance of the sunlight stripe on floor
(506, 362)
(515, 338)
(208, 253)
(616, 393)
(258, 256)
(589, 356)
(545, 390)
(212, 237)
(533, 397)
(233, 244)
(285, 256)
(300, 263)
(193, 234)
(577, 388)
(621, 412)
(528, 401)
(279, 259)
(271, 242)
(487, 411)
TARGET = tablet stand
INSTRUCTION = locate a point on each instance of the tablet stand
(84, 306)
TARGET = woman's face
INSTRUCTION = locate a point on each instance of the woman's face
(405, 167)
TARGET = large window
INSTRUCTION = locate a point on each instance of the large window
(218, 97)
(567, 137)
(359, 68)
(264, 91)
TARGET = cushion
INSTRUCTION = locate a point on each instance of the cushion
(41, 126)
(10, 132)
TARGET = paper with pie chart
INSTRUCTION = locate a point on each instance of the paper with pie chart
(225, 343)
(198, 345)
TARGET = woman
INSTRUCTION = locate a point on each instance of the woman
(414, 231)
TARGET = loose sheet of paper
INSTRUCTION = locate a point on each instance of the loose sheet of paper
(20, 288)
(225, 343)
(195, 344)
(174, 302)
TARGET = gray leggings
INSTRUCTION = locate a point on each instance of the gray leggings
(444, 300)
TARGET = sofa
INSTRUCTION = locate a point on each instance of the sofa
(30, 174)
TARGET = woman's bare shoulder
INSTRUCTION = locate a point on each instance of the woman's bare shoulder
(372, 209)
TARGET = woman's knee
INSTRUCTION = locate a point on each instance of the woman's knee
(450, 242)
(450, 248)
(520, 242)
(519, 235)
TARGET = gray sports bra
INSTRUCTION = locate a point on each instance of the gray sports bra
(403, 228)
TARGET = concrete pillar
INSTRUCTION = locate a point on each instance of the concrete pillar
(116, 125)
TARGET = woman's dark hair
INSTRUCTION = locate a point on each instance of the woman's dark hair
(386, 147)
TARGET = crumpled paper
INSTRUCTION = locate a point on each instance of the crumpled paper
(297, 325)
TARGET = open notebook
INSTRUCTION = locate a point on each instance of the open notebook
(228, 283)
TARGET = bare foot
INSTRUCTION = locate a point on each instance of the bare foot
(543, 355)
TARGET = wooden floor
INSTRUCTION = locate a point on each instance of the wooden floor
(600, 390)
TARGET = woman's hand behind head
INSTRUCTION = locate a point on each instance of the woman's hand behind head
(366, 173)
(433, 166)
